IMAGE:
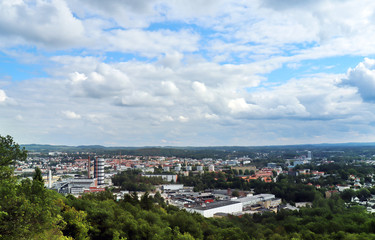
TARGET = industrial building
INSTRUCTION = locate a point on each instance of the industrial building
(209, 209)
(74, 186)
(264, 200)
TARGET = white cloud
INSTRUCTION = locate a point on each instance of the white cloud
(137, 70)
(183, 119)
(171, 60)
(239, 105)
(211, 116)
(143, 99)
(240, 117)
(71, 115)
(96, 118)
(151, 43)
(19, 117)
(202, 92)
(168, 88)
(44, 23)
(320, 28)
(3, 96)
(363, 78)
(167, 118)
(105, 81)
(128, 13)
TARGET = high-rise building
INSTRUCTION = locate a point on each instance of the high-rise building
(309, 156)
(99, 170)
(88, 168)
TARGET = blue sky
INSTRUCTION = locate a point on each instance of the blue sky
(187, 73)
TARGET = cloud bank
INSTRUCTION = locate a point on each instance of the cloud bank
(187, 73)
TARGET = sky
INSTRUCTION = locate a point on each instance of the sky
(187, 72)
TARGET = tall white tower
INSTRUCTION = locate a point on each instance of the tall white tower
(49, 178)
(99, 170)
(309, 156)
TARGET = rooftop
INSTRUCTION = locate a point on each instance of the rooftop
(215, 205)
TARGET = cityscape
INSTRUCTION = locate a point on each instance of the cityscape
(187, 120)
(76, 176)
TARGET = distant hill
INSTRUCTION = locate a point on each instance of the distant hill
(64, 148)
(223, 152)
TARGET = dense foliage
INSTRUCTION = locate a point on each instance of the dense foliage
(132, 180)
(98, 216)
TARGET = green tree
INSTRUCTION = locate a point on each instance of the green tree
(38, 175)
(76, 224)
(37, 187)
(146, 201)
(9, 153)
(235, 193)
(27, 209)
(363, 193)
(348, 194)
(10, 203)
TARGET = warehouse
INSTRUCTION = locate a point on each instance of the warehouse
(209, 209)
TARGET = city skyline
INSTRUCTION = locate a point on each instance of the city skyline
(187, 73)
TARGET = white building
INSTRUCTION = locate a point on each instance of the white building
(252, 200)
(166, 177)
(229, 207)
(342, 188)
(172, 187)
(74, 185)
(148, 170)
(309, 155)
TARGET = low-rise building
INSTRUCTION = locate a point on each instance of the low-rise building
(209, 209)
(74, 186)
(244, 168)
(172, 187)
(262, 199)
(166, 177)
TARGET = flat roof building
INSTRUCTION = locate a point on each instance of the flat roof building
(252, 200)
(209, 209)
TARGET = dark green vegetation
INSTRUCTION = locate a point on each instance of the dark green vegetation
(131, 180)
(30, 211)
